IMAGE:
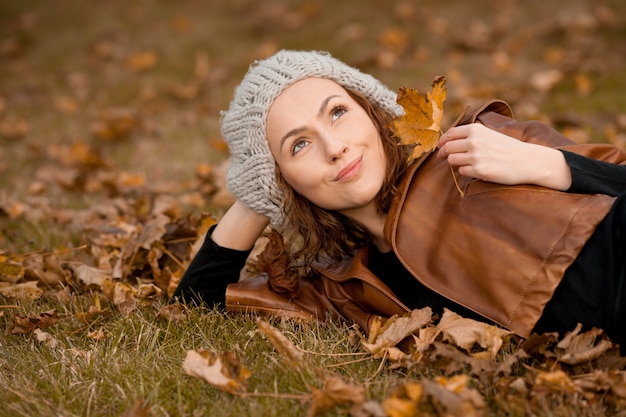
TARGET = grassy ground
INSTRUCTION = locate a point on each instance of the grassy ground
(140, 85)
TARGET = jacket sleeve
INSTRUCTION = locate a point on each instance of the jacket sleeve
(211, 270)
(590, 176)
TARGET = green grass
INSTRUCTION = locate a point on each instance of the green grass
(142, 356)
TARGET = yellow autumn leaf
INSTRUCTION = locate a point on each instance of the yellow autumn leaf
(420, 125)
(11, 269)
(404, 401)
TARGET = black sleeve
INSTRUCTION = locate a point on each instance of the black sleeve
(210, 271)
(590, 176)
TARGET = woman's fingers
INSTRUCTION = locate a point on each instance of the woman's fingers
(451, 142)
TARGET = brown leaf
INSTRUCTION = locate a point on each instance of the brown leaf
(284, 346)
(90, 275)
(23, 291)
(578, 348)
(420, 126)
(334, 392)
(78, 154)
(221, 371)
(46, 338)
(454, 397)
(13, 129)
(276, 263)
(173, 312)
(125, 297)
(153, 231)
(465, 333)
(23, 325)
(97, 334)
(148, 292)
(143, 61)
(397, 329)
(116, 124)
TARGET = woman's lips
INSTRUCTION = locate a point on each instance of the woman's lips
(349, 170)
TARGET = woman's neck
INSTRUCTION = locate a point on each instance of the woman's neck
(378, 236)
(374, 222)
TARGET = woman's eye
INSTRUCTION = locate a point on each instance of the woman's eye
(338, 112)
(297, 146)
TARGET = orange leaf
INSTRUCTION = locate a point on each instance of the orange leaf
(335, 392)
(420, 126)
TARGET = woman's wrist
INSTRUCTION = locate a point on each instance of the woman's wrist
(548, 168)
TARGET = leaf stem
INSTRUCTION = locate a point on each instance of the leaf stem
(456, 182)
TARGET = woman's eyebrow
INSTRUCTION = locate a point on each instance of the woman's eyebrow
(320, 112)
(297, 130)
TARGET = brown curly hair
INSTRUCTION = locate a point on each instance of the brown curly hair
(314, 232)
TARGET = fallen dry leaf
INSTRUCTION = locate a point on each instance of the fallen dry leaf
(173, 312)
(143, 61)
(466, 333)
(97, 334)
(46, 338)
(555, 381)
(125, 297)
(221, 371)
(578, 348)
(11, 269)
(404, 400)
(334, 392)
(24, 325)
(395, 330)
(28, 290)
(454, 397)
(90, 275)
(283, 345)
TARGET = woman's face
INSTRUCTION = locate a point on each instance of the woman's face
(326, 146)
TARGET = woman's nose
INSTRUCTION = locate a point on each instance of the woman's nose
(335, 148)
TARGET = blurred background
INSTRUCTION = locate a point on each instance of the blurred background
(120, 99)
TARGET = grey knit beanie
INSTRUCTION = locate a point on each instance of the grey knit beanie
(251, 176)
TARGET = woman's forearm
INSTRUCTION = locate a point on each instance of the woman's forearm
(239, 228)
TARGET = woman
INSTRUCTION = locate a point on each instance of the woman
(535, 244)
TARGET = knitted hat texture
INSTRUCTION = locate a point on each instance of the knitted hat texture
(251, 175)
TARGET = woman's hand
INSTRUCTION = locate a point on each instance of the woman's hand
(488, 155)
(240, 227)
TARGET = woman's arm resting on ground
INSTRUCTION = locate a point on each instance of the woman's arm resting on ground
(488, 155)
(221, 257)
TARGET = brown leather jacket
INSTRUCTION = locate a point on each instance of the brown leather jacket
(499, 250)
